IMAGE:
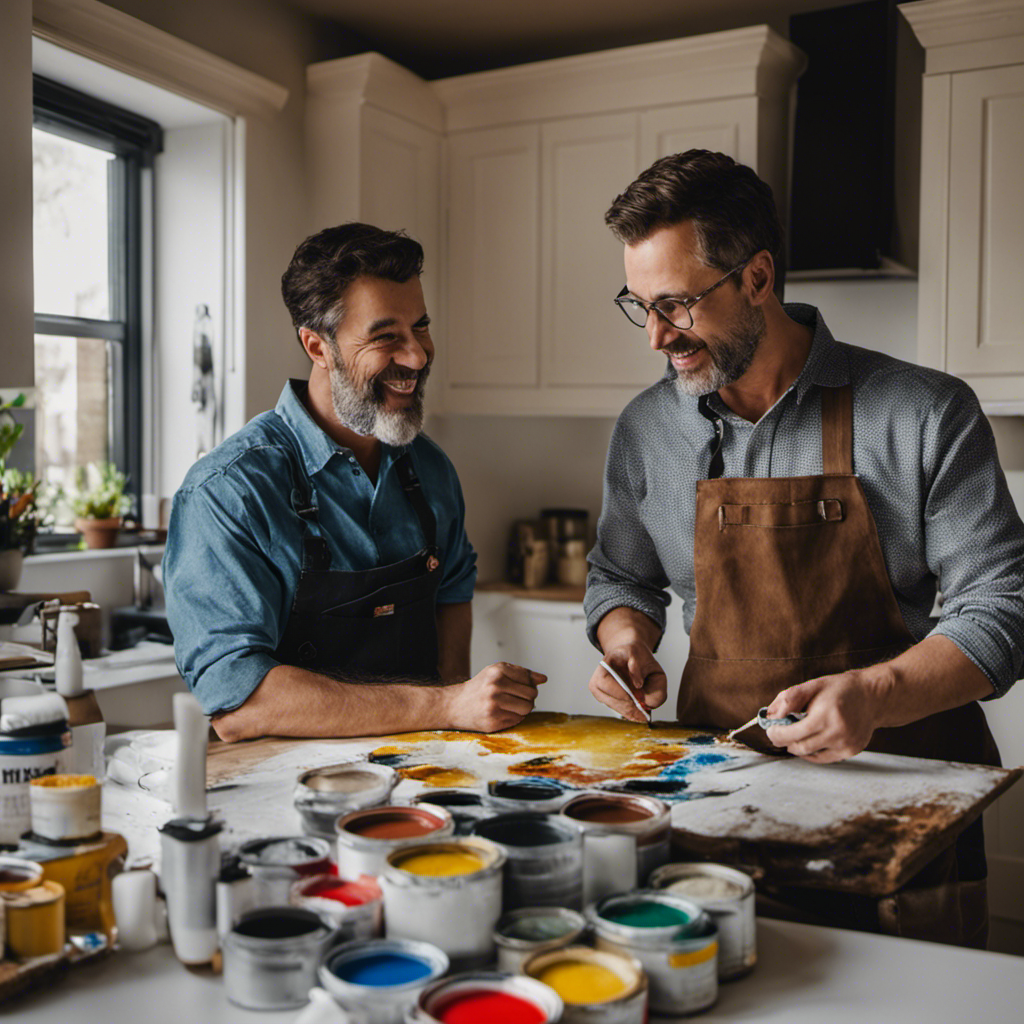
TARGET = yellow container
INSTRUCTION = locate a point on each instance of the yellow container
(35, 921)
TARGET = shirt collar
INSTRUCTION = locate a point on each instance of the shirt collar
(314, 445)
(827, 363)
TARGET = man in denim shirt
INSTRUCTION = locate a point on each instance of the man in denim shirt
(317, 568)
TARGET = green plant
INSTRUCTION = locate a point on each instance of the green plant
(10, 430)
(19, 509)
(100, 492)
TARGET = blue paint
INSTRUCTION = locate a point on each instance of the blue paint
(701, 740)
(688, 765)
(382, 970)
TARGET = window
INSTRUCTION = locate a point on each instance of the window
(89, 162)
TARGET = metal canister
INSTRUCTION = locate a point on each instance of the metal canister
(596, 986)
(352, 907)
(728, 896)
(522, 933)
(545, 859)
(544, 796)
(479, 995)
(465, 805)
(276, 862)
(674, 940)
(365, 838)
(381, 979)
(322, 795)
(270, 957)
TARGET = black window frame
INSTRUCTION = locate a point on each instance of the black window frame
(135, 141)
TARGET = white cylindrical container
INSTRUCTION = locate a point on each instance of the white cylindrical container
(322, 795)
(134, 899)
(276, 863)
(65, 807)
(365, 838)
(22, 759)
(470, 996)
(189, 865)
(728, 896)
(351, 906)
(235, 893)
(448, 893)
(521, 933)
(378, 980)
(674, 940)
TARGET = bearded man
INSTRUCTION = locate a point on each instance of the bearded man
(317, 569)
(804, 498)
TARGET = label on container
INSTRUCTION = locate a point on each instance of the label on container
(698, 956)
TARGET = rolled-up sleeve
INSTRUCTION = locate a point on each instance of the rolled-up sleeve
(227, 596)
(974, 540)
(625, 570)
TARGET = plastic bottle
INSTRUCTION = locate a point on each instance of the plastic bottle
(88, 730)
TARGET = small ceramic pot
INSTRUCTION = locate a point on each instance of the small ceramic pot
(99, 533)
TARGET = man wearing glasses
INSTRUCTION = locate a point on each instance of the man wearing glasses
(804, 498)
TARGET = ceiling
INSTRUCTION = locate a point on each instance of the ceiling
(436, 38)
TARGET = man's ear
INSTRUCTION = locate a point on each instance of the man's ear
(759, 276)
(315, 346)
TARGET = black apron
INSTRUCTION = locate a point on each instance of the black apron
(369, 624)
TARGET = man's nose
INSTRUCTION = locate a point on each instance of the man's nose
(416, 352)
(660, 332)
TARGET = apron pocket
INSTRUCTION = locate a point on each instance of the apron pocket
(384, 602)
(782, 516)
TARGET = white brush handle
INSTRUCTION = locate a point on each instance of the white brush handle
(627, 689)
(190, 766)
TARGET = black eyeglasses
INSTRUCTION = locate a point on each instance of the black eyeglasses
(673, 311)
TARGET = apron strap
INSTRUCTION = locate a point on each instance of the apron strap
(414, 492)
(316, 555)
(837, 431)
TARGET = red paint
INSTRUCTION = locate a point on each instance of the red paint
(352, 894)
(493, 1007)
(391, 823)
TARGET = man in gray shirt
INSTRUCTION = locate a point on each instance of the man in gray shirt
(805, 499)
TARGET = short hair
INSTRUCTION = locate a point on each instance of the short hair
(325, 264)
(732, 210)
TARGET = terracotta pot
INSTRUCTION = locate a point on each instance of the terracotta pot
(99, 533)
(11, 560)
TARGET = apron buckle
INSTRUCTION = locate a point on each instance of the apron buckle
(831, 510)
(432, 563)
(383, 609)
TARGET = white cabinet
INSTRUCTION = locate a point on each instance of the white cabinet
(971, 304)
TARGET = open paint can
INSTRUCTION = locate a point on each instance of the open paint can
(465, 805)
(35, 920)
(728, 896)
(22, 759)
(674, 940)
(521, 933)
(379, 980)
(545, 859)
(65, 808)
(277, 862)
(365, 838)
(353, 907)
(18, 874)
(624, 839)
(446, 892)
(271, 956)
(322, 795)
(487, 996)
(596, 987)
(539, 795)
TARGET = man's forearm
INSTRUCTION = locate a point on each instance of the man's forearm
(625, 626)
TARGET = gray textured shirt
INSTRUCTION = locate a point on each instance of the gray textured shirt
(926, 459)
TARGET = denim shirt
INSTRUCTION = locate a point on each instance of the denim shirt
(234, 547)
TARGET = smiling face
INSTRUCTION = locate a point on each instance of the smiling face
(380, 358)
(727, 329)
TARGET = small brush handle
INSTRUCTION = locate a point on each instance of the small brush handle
(627, 689)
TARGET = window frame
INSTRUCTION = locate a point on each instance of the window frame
(135, 141)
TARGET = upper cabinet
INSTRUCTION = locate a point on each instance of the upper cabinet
(971, 304)
(505, 177)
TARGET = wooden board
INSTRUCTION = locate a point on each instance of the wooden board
(865, 825)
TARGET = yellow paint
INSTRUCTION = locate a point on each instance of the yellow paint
(582, 983)
(441, 777)
(443, 864)
(698, 956)
(64, 781)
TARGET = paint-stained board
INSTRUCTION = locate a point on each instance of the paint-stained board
(865, 825)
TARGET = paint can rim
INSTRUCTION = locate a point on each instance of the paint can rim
(636, 983)
(357, 949)
(494, 863)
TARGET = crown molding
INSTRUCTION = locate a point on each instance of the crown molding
(960, 34)
(120, 41)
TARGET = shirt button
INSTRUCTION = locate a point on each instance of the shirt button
(351, 459)
(355, 472)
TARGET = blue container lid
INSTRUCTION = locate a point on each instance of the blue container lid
(25, 746)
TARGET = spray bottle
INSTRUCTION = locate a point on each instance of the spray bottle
(88, 730)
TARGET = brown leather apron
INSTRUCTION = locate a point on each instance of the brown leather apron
(791, 584)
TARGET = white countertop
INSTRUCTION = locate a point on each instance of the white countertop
(805, 975)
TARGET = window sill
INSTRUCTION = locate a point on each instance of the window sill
(73, 555)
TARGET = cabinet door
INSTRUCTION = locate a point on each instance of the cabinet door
(985, 307)
(724, 126)
(586, 162)
(493, 256)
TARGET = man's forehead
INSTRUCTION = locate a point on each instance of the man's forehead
(664, 263)
(377, 298)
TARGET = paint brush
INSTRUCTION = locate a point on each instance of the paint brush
(730, 735)
(629, 692)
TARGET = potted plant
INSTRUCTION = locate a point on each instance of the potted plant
(100, 503)
(18, 510)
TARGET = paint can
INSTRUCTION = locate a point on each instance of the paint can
(624, 839)
(65, 808)
(365, 838)
(18, 874)
(674, 940)
(728, 896)
(487, 996)
(378, 980)
(465, 805)
(270, 957)
(234, 892)
(351, 906)
(446, 892)
(22, 759)
(521, 933)
(35, 920)
(539, 795)
(322, 795)
(545, 859)
(276, 862)
(597, 987)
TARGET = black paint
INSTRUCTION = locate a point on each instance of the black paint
(510, 790)
(278, 923)
(653, 787)
(525, 830)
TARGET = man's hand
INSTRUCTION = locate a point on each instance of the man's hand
(843, 712)
(637, 665)
(498, 697)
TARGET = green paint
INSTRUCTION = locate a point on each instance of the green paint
(646, 914)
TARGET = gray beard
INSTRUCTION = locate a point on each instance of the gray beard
(731, 355)
(361, 408)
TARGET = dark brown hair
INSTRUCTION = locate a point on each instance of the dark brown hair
(325, 264)
(732, 209)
